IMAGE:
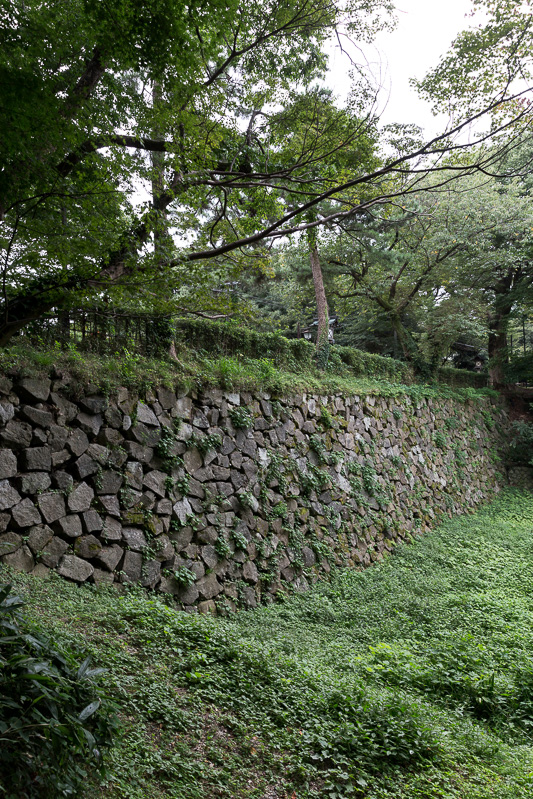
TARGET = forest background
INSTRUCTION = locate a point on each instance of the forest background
(165, 160)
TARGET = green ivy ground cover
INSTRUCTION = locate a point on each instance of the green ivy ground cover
(410, 680)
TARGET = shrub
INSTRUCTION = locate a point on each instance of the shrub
(520, 448)
(52, 724)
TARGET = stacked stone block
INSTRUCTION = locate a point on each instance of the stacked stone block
(225, 499)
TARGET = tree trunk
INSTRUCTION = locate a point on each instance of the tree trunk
(409, 347)
(322, 336)
(161, 233)
(498, 324)
(497, 346)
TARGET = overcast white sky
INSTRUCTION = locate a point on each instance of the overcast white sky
(425, 30)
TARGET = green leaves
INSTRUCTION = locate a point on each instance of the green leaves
(48, 729)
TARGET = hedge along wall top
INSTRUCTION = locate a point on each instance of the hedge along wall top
(225, 499)
(296, 354)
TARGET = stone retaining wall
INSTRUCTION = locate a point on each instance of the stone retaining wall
(224, 499)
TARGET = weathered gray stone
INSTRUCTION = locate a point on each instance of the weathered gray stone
(196, 489)
(57, 437)
(39, 437)
(132, 567)
(134, 538)
(133, 475)
(77, 442)
(59, 458)
(155, 481)
(182, 510)
(220, 473)
(146, 415)
(6, 386)
(167, 398)
(308, 556)
(145, 435)
(151, 573)
(182, 538)
(9, 542)
(62, 481)
(33, 390)
(85, 466)
(163, 548)
(113, 416)
(209, 556)
(249, 572)
(90, 423)
(188, 595)
(7, 412)
(53, 551)
(108, 436)
(8, 464)
(139, 452)
(25, 514)
(69, 526)
(164, 507)
(110, 504)
(16, 435)
(107, 482)
(87, 546)
(21, 560)
(199, 419)
(130, 498)
(183, 407)
(52, 506)
(34, 482)
(36, 416)
(37, 459)
(80, 498)
(74, 568)
(92, 521)
(112, 529)
(94, 405)
(249, 596)
(208, 586)
(192, 460)
(39, 537)
(67, 410)
(110, 557)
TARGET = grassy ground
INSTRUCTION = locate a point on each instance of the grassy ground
(197, 370)
(411, 680)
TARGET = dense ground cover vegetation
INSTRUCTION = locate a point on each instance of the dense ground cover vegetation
(270, 363)
(413, 679)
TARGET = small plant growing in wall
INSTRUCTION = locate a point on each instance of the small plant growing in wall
(317, 445)
(205, 444)
(326, 419)
(241, 418)
(247, 500)
(335, 458)
(440, 439)
(239, 539)
(222, 547)
(369, 478)
(181, 484)
(184, 576)
(164, 447)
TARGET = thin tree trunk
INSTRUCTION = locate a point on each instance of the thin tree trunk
(322, 336)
